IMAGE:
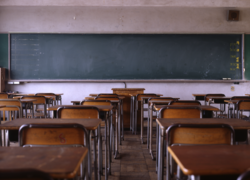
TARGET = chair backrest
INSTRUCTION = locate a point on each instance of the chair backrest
(3, 96)
(139, 96)
(244, 176)
(96, 102)
(243, 105)
(52, 135)
(185, 102)
(196, 134)
(29, 174)
(107, 95)
(78, 112)
(180, 112)
(39, 99)
(213, 95)
(240, 98)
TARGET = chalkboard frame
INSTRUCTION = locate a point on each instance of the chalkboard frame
(12, 81)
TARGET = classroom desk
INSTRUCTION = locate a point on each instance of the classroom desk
(103, 108)
(58, 96)
(231, 102)
(163, 124)
(89, 124)
(50, 160)
(211, 159)
(199, 97)
(151, 104)
(119, 118)
(134, 119)
(28, 103)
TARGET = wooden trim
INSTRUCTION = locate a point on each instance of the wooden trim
(12, 81)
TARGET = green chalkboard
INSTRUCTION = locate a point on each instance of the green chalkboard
(247, 57)
(125, 56)
(4, 50)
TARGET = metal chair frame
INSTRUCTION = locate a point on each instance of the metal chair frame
(169, 160)
(84, 165)
(94, 134)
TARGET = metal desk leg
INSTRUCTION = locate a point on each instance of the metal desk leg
(131, 113)
(7, 142)
(95, 159)
(193, 177)
(151, 131)
(142, 120)
(121, 115)
(148, 127)
(99, 153)
(119, 123)
(135, 118)
(117, 134)
(3, 137)
(160, 156)
(89, 157)
(106, 147)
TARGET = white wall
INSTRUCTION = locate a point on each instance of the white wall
(162, 17)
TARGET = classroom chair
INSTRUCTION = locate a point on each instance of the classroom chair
(40, 101)
(4, 95)
(185, 103)
(13, 106)
(231, 110)
(21, 174)
(109, 133)
(43, 135)
(180, 112)
(117, 111)
(143, 99)
(245, 175)
(242, 106)
(90, 112)
(164, 101)
(195, 134)
(222, 103)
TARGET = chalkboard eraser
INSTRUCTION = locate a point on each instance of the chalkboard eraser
(224, 78)
(228, 78)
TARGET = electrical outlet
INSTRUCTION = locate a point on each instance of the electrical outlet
(232, 88)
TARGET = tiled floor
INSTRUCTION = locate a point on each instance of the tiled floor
(134, 161)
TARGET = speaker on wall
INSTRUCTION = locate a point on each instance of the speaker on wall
(233, 15)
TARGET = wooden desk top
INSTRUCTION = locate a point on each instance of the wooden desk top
(100, 107)
(2, 106)
(93, 98)
(145, 93)
(232, 101)
(219, 98)
(28, 100)
(202, 107)
(247, 94)
(161, 101)
(235, 123)
(31, 94)
(119, 96)
(89, 124)
(212, 159)
(19, 97)
(48, 159)
(127, 89)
